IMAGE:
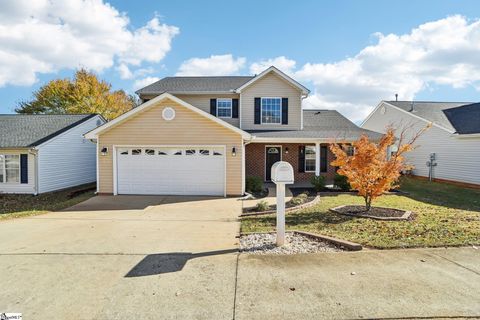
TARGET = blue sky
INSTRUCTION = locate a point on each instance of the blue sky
(322, 44)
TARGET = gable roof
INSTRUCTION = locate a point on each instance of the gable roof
(320, 125)
(220, 84)
(465, 119)
(27, 130)
(435, 112)
(150, 103)
(226, 84)
(304, 90)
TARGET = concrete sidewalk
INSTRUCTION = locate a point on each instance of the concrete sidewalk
(385, 284)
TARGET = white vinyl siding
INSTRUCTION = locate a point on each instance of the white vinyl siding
(457, 159)
(68, 160)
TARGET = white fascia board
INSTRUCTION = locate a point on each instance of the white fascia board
(304, 90)
(150, 103)
(466, 136)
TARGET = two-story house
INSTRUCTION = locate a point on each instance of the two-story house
(205, 135)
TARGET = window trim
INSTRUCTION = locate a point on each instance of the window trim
(261, 111)
(4, 170)
(314, 159)
(231, 107)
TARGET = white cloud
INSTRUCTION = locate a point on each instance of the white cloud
(215, 65)
(444, 52)
(140, 83)
(49, 35)
(283, 63)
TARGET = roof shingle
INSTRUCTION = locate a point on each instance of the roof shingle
(22, 130)
(195, 84)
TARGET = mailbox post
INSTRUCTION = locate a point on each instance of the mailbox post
(282, 174)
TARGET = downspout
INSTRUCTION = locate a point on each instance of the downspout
(34, 153)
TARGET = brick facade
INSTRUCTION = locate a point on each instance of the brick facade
(255, 160)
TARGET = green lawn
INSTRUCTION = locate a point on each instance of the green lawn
(445, 215)
(21, 205)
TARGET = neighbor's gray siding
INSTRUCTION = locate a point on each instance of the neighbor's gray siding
(68, 160)
(457, 159)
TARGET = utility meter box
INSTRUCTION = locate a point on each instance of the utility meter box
(282, 172)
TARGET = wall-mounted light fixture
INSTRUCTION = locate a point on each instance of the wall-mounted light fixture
(104, 151)
(234, 152)
(286, 150)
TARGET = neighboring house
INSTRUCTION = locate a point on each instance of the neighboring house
(205, 135)
(454, 137)
(42, 153)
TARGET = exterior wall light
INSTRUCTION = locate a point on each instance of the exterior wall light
(104, 151)
(234, 152)
(286, 150)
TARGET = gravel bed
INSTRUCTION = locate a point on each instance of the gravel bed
(264, 243)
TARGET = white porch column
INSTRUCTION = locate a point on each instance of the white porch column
(317, 158)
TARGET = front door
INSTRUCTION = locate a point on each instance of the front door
(272, 155)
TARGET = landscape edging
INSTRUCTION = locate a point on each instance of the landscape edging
(404, 217)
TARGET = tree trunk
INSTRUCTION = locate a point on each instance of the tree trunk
(368, 203)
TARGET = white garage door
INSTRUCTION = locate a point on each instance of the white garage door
(171, 171)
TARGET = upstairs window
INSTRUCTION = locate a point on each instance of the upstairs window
(224, 108)
(271, 110)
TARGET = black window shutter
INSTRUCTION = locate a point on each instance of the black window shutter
(257, 110)
(213, 107)
(284, 110)
(323, 158)
(301, 159)
(24, 168)
(234, 108)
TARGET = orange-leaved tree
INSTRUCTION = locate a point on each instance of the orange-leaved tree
(370, 170)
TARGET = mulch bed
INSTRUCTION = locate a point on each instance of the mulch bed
(379, 213)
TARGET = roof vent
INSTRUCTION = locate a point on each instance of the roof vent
(396, 96)
(412, 106)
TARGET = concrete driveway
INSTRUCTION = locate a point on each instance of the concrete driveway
(175, 258)
(122, 257)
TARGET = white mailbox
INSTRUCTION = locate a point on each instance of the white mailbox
(282, 172)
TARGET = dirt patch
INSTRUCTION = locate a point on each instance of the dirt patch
(379, 213)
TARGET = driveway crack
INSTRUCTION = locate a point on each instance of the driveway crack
(235, 287)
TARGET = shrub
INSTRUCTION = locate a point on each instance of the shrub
(300, 199)
(341, 181)
(253, 184)
(318, 183)
(262, 206)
